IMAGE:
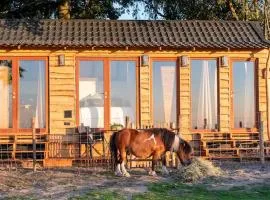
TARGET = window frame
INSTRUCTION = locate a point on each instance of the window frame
(137, 99)
(240, 130)
(107, 86)
(218, 96)
(16, 92)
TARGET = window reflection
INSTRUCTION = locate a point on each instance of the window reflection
(164, 93)
(123, 92)
(204, 94)
(243, 95)
(32, 93)
(5, 94)
(91, 94)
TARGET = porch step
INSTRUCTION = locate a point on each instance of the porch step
(7, 139)
(245, 136)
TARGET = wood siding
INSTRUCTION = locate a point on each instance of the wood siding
(62, 87)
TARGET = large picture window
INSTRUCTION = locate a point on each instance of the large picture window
(32, 93)
(204, 94)
(164, 93)
(243, 94)
(123, 92)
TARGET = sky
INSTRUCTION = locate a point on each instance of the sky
(140, 16)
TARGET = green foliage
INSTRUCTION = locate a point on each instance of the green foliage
(155, 9)
(44, 9)
(203, 9)
(116, 126)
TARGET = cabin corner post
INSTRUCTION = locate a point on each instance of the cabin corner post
(184, 118)
(224, 98)
(263, 80)
(145, 91)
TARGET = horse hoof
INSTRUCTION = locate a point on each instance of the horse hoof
(165, 173)
(118, 174)
(152, 173)
(126, 174)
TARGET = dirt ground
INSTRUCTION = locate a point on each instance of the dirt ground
(73, 182)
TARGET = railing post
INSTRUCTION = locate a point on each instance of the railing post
(261, 140)
(127, 122)
(34, 145)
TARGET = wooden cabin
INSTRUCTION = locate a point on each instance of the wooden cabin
(205, 79)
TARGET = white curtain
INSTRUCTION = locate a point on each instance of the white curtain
(4, 97)
(168, 77)
(207, 102)
(247, 113)
(39, 119)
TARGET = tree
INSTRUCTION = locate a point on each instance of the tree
(44, 9)
(203, 9)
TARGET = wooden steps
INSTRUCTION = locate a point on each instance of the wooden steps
(20, 146)
(216, 144)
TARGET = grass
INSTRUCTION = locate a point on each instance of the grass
(103, 194)
(175, 191)
(178, 191)
(20, 198)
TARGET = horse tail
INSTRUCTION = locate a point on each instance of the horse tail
(113, 149)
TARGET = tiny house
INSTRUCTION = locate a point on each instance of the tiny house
(205, 79)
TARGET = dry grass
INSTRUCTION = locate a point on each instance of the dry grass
(197, 170)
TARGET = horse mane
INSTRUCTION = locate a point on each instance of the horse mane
(166, 135)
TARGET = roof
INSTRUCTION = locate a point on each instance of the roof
(132, 33)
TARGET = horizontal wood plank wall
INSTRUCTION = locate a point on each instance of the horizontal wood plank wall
(145, 95)
(262, 95)
(224, 99)
(62, 93)
(185, 101)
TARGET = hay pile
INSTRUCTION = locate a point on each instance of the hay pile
(197, 170)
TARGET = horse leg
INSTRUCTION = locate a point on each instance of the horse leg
(164, 168)
(118, 168)
(154, 162)
(123, 160)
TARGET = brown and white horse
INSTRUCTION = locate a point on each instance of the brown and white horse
(143, 144)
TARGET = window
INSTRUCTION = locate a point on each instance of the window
(123, 92)
(204, 94)
(91, 93)
(32, 93)
(164, 93)
(243, 94)
(6, 94)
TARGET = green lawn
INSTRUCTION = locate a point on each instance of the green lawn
(163, 191)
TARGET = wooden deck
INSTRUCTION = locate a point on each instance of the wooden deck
(69, 150)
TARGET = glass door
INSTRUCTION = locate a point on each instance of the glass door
(7, 96)
(164, 93)
(123, 93)
(91, 93)
(32, 94)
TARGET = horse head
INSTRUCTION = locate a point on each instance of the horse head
(184, 152)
